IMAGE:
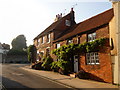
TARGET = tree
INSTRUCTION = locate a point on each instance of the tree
(19, 43)
(32, 52)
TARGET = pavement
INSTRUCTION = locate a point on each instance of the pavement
(70, 81)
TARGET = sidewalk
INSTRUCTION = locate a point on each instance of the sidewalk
(69, 81)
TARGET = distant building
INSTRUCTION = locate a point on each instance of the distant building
(4, 48)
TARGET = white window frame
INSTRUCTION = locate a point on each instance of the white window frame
(91, 37)
(92, 58)
(37, 51)
(67, 23)
(43, 39)
(69, 41)
(38, 42)
(58, 45)
(48, 38)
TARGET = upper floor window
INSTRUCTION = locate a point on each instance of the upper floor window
(69, 41)
(43, 39)
(38, 42)
(67, 23)
(92, 58)
(91, 37)
(57, 45)
(48, 38)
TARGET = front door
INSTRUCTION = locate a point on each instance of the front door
(75, 63)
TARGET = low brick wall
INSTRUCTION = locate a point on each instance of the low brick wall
(16, 59)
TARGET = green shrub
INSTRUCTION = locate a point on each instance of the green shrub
(47, 63)
(63, 67)
(54, 66)
(37, 66)
(32, 52)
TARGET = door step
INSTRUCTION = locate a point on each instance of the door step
(73, 75)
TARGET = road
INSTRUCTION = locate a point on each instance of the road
(14, 77)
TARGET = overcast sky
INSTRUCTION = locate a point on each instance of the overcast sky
(30, 17)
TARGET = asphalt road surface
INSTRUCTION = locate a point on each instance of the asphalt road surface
(14, 77)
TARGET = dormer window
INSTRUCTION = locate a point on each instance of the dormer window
(91, 37)
(58, 45)
(67, 23)
(69, 41)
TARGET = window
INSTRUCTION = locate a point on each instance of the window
(37, 51)
(38, 42)
(67, 23)
(41, 54)
(57, 45)
(48, 38)
(48, 51)
(91, 37)
(43, 40)
(69, 41)
(92, 58)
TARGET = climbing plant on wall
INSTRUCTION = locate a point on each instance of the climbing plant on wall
(66, 51)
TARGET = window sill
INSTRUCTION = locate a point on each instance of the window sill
(93, 63)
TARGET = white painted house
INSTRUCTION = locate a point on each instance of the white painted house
(3, 51)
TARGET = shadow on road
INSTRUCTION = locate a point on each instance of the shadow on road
(13, 85)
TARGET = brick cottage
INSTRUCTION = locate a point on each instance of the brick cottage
(65, 31)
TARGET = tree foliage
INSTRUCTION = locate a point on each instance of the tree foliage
(32, 52)
(47, 63)
(19, 43)
(17, 52)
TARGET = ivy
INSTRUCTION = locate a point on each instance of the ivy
(65, 52)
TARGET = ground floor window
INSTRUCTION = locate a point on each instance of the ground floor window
(48, 51)
(92, 58)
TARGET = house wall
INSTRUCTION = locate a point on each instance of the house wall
(103, 71)
(62, 26)
(112, 30)
(41, 47)
(116, 7)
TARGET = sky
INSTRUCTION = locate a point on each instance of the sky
(31, 17)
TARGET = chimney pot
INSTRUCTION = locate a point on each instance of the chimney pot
(61, 15)
(71, 9)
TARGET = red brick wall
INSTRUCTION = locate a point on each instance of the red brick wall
(83, 38)
(62, 27)
(103, 71)
(45, 45)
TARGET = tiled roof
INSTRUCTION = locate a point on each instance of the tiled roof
(52, 27)
(89, 24)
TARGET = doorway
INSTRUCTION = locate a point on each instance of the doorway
(75, 63)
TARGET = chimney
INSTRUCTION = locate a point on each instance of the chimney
(72, 16)
(71, 10)
(60, 14)
(58, 17)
